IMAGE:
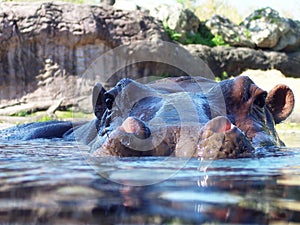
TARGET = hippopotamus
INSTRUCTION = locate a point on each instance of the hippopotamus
(177, 116)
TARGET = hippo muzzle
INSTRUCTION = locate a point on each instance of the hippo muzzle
(217, 139)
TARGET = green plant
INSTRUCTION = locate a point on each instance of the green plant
(197, 39)
(247, 33)
(224, 76)
(203, 36)
(237, 39)
(172, 33)
(22, 114)
(45, 118)
(256, 17)
(219, 41)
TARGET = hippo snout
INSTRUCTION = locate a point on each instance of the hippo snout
(218, 138)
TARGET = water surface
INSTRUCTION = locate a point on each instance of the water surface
(58, 183)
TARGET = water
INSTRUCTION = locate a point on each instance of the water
(58, 183)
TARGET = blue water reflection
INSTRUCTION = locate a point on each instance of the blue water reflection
(58, 183)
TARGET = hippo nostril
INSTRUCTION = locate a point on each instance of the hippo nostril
(146, 132)
(219, 124)
(228, 126)
(136, 126)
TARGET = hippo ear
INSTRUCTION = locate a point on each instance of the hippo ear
(98, 100)
(280, 101)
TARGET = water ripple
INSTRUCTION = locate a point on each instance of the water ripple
(57, 182)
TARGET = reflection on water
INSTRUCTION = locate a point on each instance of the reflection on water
(56, 183)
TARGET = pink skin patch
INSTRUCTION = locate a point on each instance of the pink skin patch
(219, 125)
(130, 125)
(225, 127)
(135, 126)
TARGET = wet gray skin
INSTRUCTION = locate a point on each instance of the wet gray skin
(188, 117)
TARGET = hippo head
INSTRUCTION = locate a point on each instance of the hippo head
(188, 117)
(254, 111)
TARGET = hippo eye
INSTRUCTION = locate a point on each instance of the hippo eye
(260, 100)
(109, 100)
(246, 95)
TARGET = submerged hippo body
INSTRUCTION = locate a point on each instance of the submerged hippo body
(185, 116)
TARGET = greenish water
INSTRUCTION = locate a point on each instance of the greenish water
(46, 182)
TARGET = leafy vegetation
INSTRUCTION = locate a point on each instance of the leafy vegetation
(219, 41)
(22, 114)
(45, 118)
(247, 33)
(224, 76)
(203, 36)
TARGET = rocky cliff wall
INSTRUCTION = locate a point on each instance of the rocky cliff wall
(235, 61)
(45, 48)
(44, 45)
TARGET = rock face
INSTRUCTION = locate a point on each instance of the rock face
(231, 33)
(178, 18)
(269, 30)
(263, 29)
(59, 41)
(234, 61)
(46, 49)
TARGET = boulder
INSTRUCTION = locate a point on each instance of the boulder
(269, 30)
(263, 29)
(178, 18)
(231, 33)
